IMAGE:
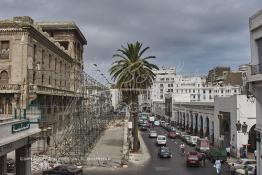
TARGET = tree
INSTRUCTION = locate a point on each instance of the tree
(133, 75)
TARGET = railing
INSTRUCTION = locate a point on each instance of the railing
(256, 69)
(51, 90)
(10, 87)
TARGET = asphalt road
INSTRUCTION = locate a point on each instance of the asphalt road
(159, 166)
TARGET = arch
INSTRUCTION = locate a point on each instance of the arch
(196, 125)
(201, 132)
(252, 139)
(4, 77)
(207, 127)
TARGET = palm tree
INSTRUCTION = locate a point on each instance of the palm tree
(133, 75)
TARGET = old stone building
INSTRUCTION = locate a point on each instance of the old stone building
(41, 69)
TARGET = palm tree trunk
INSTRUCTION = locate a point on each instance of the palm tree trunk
(136, 144)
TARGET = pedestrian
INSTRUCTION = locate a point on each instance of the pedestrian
(232, 169)
(255, 154)
(204, 159)
(228, 151)
(200, 158)
(218, 166)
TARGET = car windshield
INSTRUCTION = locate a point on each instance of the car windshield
(161, 138)
(163, 150)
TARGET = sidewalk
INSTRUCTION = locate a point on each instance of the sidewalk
(108, 150)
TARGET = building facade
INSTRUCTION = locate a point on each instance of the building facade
(41, 66)
(254, 78)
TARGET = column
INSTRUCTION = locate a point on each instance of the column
(23, 160)
(3, 167)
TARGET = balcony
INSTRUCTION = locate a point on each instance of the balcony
(254, 73)
(256, 69)
(10, 88)
(38, 89)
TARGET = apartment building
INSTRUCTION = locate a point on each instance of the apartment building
(254, 77)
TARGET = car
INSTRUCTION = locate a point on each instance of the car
(156, 123)
(143, 128)
(250, 168)
(241, 163)
(172, 134)
(152, 134)
(172, 128)
(186, 138)
(193, 159)
(164, 152)
(182, 135)
(64, 170)
(193, 140)
(161, 140)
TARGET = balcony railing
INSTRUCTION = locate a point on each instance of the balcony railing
(51, 90)
(256, 69)
(10, 87)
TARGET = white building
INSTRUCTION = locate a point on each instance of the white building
(116, 97)
(182, 87)
(227, 112)
(254, 78)
(217, 121)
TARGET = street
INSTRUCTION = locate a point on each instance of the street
(176, 165)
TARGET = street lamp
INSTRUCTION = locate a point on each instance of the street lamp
(241, 127)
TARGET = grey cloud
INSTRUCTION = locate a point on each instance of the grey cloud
(197, 34)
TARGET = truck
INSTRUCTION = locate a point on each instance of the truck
(214, 154)
(202, 145)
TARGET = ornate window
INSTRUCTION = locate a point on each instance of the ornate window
(4, 49)
(4, 77)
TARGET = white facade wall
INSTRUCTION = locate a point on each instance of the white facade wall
(240, 109)
(254, 78)
(115, 97)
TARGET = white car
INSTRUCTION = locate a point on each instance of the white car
(241, 163)
(251, 170)
(152, 134)
(161, 140)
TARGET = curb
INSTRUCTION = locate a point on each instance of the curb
(144, 156)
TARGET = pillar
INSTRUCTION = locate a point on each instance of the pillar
(3, 166)
(23, 160)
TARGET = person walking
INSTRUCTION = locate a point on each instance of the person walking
(218, 166)
(204, 159)
(228, 151)
(255, 154)
(233, 169)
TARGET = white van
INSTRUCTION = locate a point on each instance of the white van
(193, 140)
(161, 140)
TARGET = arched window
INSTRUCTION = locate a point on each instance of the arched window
(8, 106)
(4, 77)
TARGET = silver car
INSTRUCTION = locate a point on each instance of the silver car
(152, 134)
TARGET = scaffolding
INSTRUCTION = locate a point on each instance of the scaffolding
(88, 112)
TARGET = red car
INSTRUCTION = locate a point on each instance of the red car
(172, 134)
(193, 159)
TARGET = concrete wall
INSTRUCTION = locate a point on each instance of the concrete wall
(240, 109)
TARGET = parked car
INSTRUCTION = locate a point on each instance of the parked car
(241, 163)
(64, 170)
(186, 138)
(152, 134)
(193, 140)
(250, 168)
(161, 140)
(172, 134)
(143, 127)
(156, 123)
(164, 152)
(202, 145)
(193, 159)
(182, 135)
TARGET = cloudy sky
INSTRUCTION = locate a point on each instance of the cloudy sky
(192, 35)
